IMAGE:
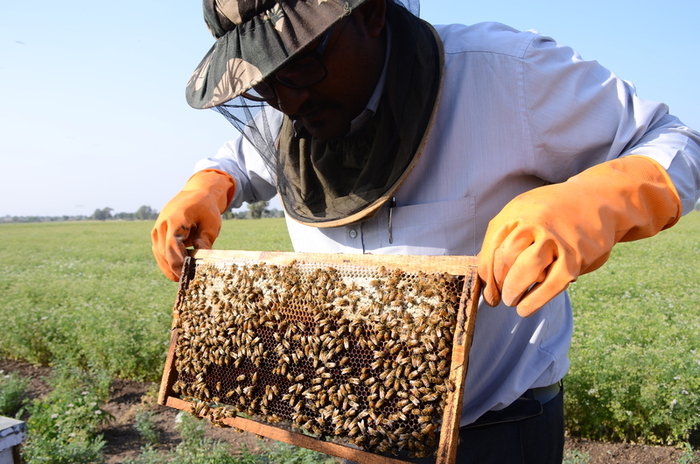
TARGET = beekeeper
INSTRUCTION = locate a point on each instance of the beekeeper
(384, 134)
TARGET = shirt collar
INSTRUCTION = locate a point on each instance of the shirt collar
(373, 102)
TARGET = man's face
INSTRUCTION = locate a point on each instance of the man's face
(354, 59)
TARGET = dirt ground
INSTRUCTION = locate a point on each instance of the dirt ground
(127, 396)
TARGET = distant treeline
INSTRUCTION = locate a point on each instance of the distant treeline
(256, 210)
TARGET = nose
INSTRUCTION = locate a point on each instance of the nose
(290, 100)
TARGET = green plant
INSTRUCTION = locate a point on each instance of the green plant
(283, 453)
(150, 455)
(62, 427)
(195, 448)
(143, 423)
(12, 392)
(576, 457)
(689, 456)
(144, 416)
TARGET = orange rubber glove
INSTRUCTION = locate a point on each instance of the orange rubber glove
(191, 219)
(544, 239)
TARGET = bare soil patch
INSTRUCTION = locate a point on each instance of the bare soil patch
(127, 397)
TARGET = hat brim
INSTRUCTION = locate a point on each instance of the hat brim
(249, 53)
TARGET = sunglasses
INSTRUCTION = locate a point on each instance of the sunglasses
(301, 73)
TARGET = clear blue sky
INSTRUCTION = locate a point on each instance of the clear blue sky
(92, 112)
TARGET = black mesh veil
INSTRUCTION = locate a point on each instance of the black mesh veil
(258, 123)
(241, 112)
(299, 185)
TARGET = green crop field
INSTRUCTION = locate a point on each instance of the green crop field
(89, 294)
(635, 356)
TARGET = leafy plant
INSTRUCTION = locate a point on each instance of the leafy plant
(150, 455)
(12, 391)
(143, 423)
(62, 427)
(576, 457)
(689, 456)
(196, 448)
(283, 453)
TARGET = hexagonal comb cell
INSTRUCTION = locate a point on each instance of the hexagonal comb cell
(345, 351)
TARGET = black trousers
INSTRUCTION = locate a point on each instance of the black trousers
(526, 432)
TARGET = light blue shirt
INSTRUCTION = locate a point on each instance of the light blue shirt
(517, 111)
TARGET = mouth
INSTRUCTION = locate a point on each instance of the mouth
(313, 115)
(323, 120)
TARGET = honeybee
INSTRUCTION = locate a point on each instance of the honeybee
(428, 429)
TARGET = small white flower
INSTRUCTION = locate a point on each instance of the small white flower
(98, 412)
(54, 416)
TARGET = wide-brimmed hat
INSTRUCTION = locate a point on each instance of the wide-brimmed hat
(254, 39)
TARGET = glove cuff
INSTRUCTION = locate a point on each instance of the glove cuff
(215, 183)
(661, 193)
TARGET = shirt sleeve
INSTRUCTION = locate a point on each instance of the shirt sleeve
(581, 114)
(255, 180)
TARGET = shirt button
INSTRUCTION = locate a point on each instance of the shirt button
(353, 233)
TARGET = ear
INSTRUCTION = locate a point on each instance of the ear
(373, 14)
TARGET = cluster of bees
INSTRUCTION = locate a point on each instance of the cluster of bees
(344, 354)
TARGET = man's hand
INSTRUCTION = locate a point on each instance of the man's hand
(191, 219)
(545, 238)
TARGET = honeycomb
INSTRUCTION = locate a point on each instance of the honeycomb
(342, 353)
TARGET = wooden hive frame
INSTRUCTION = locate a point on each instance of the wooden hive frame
(463, 267)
